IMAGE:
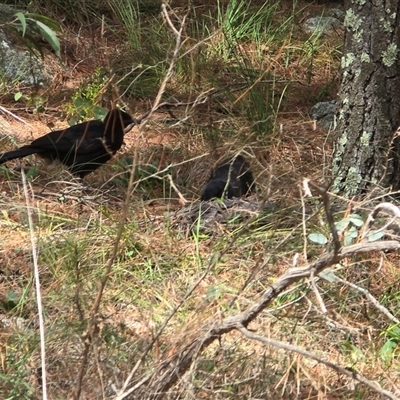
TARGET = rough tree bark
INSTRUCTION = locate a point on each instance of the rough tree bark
(369, 99)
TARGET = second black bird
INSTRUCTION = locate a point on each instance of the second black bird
(83, 147)
(231, 178)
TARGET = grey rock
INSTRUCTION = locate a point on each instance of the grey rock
(336, 13)
(325, 114)
(20, 65)
(7, 13)
(322, 24)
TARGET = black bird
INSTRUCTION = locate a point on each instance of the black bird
(83, 147)
(231, 178)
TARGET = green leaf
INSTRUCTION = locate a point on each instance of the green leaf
(22, 19)
(356, 220)
(50, 37)
(13, 297)
(353, 351)
(81, 103)
(32, 172)
(349, 235)
(130, 253)
(32, 45)
(17, 96)
(342, 224)
(213, 292)
(328, 275)
(394, 333)
(100, 112)
(11, 301)
(387, 350)
(317, 238)
(51, 23)
(374, 236)
(74, 120)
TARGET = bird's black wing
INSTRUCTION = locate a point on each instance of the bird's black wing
(83, 138)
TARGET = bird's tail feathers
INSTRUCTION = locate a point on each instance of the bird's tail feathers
(19, 153)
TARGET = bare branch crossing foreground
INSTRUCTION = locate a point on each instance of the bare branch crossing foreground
(170, 371)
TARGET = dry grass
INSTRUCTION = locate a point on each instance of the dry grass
(157, 263)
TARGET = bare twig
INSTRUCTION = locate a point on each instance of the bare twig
(169, 371)
(182, 200)
(156, 104)
(304, 225)
(286, 346)
(123, 393)
(389, 208)
(200, 99)
(92, 329)
(13, 115)
(92, 326)
(126, 392)
(329, 217)
(369, 296)
(317, 294)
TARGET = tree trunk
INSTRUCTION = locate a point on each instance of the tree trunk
(369, 106)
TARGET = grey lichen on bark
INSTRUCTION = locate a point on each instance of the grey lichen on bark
(369, 107)
(389, 56)
(360, 2)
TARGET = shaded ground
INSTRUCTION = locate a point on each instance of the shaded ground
(157, 263)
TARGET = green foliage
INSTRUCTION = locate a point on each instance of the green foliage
(29, 26)
(348, 227)
(260, 108)
(86, 99)
(147, 40)
(38, 102)
(14, 375)
(10, 302)
(72, 11)
(240, 21)
(287, 297)
(352, 351)
(318, 238)
(389, 349)
(242, 24)
(128, 13)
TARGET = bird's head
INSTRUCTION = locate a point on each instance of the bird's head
(119, 119)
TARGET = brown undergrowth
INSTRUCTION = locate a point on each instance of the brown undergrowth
(158, 262)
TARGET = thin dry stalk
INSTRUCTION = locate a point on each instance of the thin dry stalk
(351, 374)
(13, 115)
(170, 371)
(92, 329)
(37, 286)
(371, 298)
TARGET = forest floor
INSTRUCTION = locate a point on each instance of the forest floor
(161, 256)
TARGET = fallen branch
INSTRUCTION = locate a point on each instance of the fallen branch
(286, 346)
(170, 371)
